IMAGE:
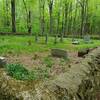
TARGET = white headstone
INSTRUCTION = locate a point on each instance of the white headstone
(2, 62)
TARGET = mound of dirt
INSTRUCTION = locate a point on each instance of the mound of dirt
(81, 82)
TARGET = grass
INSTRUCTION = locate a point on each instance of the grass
(26, 44)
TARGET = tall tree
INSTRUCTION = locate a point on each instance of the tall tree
(7, 13)
(42, 15)
(50, 4)
(28, 14)
(13, 15)
(84, 9)
(66, 17)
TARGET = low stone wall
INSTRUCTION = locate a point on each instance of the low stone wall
(81, 82)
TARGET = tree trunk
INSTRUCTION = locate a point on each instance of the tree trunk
(43, 20)
(58, 22)
(50, 14)
(50, 21)
(66, 18)
(13, 16)
(29, 22)
(62, 32)
(7, 12)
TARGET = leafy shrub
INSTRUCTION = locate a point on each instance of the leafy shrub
(17, 71)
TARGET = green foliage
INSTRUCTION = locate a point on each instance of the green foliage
(59, 6)
(19, 72)
(48, 61)
(18, 44)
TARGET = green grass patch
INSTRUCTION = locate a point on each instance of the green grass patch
(20, 44)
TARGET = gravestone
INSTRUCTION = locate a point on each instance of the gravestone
(59, 53)
(2, 62)
(87, 39)
(75, 42)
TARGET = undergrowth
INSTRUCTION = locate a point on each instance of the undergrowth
(19, 72)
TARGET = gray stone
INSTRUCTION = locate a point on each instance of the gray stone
(59, 53)
(2, 62)
(75, 42)
(87, 39)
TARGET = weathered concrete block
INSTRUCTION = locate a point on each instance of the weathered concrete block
(2, 62)
(59, 53)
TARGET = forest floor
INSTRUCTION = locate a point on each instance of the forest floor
(37, 56)
(44, 61)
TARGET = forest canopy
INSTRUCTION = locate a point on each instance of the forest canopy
(53, 17)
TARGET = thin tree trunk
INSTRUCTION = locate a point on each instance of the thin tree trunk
(58, 22)
(62, 32)
(66, 18)
(42, 3)
(29, 23)
(50, 22)
(74, 23)
(28, 14)
(7, 10)
(13, 16)
(50, 14)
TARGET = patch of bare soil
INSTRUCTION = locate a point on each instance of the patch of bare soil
(36, 61)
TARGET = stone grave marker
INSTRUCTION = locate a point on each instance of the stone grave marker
(2, 62)
(75, 42)
(87, 39)
(59, 53)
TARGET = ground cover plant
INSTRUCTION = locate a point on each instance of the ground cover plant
(19, 72)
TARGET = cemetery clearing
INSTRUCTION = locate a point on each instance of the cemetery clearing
(26, 44)
(37, 56)
(50, 50)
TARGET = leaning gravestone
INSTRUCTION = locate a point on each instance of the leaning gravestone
(2, 62)
(59, 53)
